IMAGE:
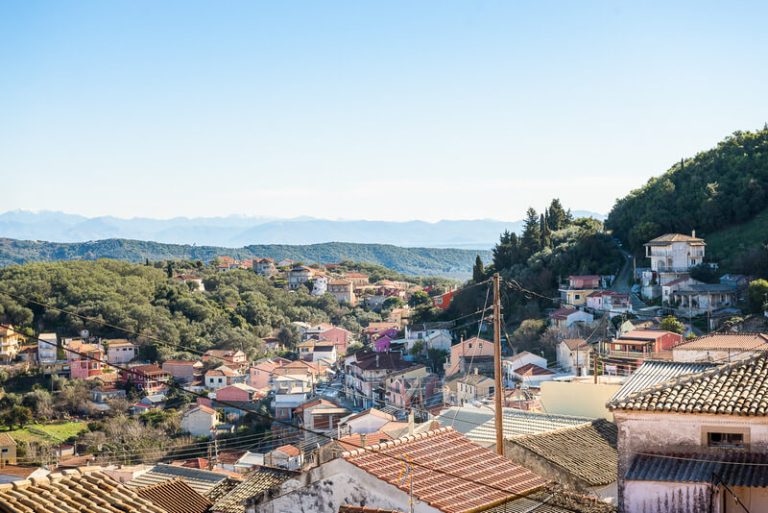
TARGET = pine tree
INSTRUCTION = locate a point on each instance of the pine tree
(530, 242)
(507, 251)
(557, 216)
(546, 234)
(478, 271)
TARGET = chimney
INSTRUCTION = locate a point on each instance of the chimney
(411, 422)
(362, 439)
(475, 371)
(693, 233)
(377, 359)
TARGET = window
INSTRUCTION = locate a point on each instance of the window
(726, 440)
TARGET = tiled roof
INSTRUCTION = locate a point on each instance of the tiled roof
(655, 372)
(726, 341)
(370, 411)
(352, 442)
(475, 379)
(258, 481)
(739, 388)
(6, 439)
(673, 237)
(554, 500)
(734, 468)
(437, 457)
(562, 313)
(289, 450)
(175, 497)
(588, 452)
(346, 508)
(575, 343)
(531, 369)
(202, 481)
(516, 422)
(86, 490)
(643, 334)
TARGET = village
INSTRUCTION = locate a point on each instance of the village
(632, 413)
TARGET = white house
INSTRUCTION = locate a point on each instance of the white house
(367, 421)
(298, 276)
(573, 355)
(672, 256)
(510, 364)
(698, 443)
(288, 457)
(120, 351)
(564, 318)
(199, 421)
(46, 348)
(221, 377)
(319, 285)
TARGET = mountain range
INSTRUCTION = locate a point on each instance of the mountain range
(239, 231)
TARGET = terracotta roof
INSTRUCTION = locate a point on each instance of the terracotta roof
(346, 508)
(22, 472)
(182, 362)
(198, 463)
(203, 408)
(392, 361)
(531, 369)
(85, 489)
(291, 450)
(562, 313)
(475, 379)
(643, 334)
(726, 341)
(673, 237)
(175, 496)
(575, 343)
(6, 439)
(656, 372)
(588, 452)
(438, 456)
(202, 481)
(352, 442)
(739, 388)
(370, 411)
(258, 481)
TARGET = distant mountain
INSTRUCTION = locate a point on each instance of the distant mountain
(452, 263)
(236, 231)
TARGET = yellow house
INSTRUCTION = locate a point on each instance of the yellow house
(10, 341)
(7, 450)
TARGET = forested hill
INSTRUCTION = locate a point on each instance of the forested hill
(715, 192)
(456, 263)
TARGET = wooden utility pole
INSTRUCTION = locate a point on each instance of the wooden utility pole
(499, 395)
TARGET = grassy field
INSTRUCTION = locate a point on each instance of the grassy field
(728, 242)
(48, 432)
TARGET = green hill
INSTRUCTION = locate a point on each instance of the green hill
(454, 263)
(722, 193)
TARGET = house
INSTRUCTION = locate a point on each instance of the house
(287, 457)
(47, 348)
(695, 443)
(184, 371)
(148, 378)
(260, 374)
(319, 285)
(343, 291)
(470, 354)
(443, 301)
(609, 301)
(298, 276)
(339, 446)
(375, 330)
(627, 352)
(532, 375)
(290, 392)
(583, 458)
(313, 373)
(443, 459)
(7, 450)
(226, 263)
(103, 394)
(314, 350)
(578, 289)
(120, 351)
(432, 338)
(366, 421)
(474, 387)
(236, 392)
(411, 387)
(698, 298)
(199, 421)
(320, 415)
(339, 336)
(738, 282)
(574, 355)
(84, 359)
(565, 318)
(382, 344)
(672, 256)
(10, 341)
(204, 482)
(170, 495)
(510, 364)
(720, 347)
(229, 357)
(366, 373)
(221, 377)
(264, 267)
(195, 283)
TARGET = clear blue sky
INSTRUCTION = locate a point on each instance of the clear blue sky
(378, 110)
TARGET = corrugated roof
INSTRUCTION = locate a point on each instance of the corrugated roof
(733, 468)
(258, 482)
(739, 388)
(656, 372)
(175, 497)
(85, 489)
(437, 457)
(201, 481)
(588, 451)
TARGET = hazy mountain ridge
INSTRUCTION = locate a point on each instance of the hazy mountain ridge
(237, 231)
(453, 263)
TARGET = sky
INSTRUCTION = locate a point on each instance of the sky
(389, 110)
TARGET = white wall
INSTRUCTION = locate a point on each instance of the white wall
(581, 399)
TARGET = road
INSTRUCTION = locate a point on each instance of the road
(622, 283)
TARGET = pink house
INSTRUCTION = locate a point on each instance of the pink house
(339, 336)
(466, 353)
(260, 375)
(238, 392)
(85, 366)
(381, 345)
(591, 281)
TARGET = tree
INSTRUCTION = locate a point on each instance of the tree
(17, 416)
(507, 251)
(557, 218)
(704, 273)
(757, 295)
(419, 298)
(530, 241)
(392, 302)
(546, 234)
(671, 323)
(478, 271)
(418, 348)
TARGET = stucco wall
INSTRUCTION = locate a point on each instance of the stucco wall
(661, 497)
(578, 398)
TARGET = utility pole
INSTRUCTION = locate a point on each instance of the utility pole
(497, 364)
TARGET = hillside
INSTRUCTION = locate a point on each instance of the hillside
(455, 263)
(722, 193)
(739, 247)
